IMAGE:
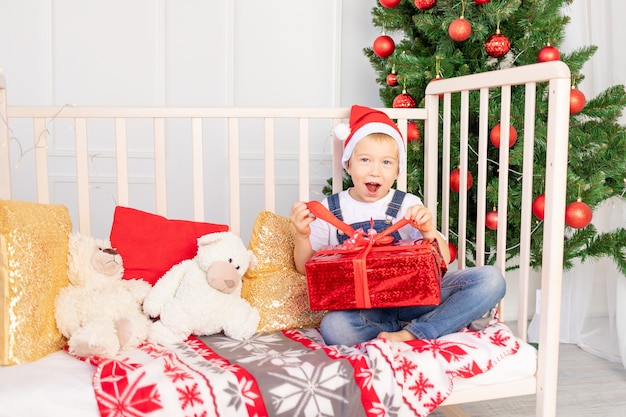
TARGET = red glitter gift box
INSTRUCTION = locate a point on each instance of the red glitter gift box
(368, 273)
(395, 276)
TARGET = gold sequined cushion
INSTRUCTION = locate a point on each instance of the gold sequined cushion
(274, 286)
(33, 268)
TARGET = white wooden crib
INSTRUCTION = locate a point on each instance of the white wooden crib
(214, 189)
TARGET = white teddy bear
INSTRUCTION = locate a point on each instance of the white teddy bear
(202, 295)
(99, 312)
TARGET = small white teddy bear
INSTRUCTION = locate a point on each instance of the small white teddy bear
(99, 312)
(202, 295)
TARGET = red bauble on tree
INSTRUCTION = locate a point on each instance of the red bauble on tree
(577, 101)
(460, 29)
(384, 46)
(491, 219)
(403, 101)
(539, 206)
(578, 214)
(392, 79)
(481, 2)
(425, 4)
(413, 132)
(455, 180)
(548, 53)
(494, 135)
(389, 3)
(497, 45)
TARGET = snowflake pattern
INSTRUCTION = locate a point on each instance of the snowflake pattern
(293, 373)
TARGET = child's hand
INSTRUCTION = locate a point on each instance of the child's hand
(421, 218)
(301, 218)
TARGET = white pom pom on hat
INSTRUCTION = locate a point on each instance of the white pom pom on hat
(365, 121)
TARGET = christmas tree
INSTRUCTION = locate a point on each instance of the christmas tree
(448, 38)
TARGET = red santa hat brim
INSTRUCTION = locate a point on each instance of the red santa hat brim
(365, 121)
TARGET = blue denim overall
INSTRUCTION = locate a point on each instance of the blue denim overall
(379, 225)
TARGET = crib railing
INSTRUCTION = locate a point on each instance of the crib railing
(162, 138)
(500, 83)
(204, 145)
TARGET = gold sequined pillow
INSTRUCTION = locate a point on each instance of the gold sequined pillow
(274, 286)
(33, 268)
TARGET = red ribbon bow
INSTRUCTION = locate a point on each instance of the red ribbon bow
(358, 241)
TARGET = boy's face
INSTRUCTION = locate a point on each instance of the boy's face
(373, 166)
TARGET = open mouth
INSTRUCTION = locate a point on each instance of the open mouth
(372, 187)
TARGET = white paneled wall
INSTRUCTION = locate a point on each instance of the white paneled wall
(275, 53)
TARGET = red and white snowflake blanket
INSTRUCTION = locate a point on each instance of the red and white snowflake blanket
(292, 373)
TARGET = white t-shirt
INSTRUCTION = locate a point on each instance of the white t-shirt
(353, 211)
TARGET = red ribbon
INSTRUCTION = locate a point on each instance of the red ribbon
(359, 241)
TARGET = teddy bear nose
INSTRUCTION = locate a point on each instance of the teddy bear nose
(109, 251)
(229, 283)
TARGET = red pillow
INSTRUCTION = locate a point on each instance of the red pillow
(151, 244)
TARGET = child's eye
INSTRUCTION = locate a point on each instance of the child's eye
(364, 160)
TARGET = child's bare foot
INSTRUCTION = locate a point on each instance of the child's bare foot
(399, 336)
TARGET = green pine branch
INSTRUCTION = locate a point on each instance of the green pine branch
(597, 149)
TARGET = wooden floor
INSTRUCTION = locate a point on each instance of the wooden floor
(588, 386)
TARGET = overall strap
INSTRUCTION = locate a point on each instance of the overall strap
(334, 206)
(394, 205)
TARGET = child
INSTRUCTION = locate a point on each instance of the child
(373, 151)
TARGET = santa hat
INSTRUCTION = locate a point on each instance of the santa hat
(365, 121)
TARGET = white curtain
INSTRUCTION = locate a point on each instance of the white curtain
(589, 290)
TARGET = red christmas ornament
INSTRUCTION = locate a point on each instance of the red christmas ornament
(460, 29)
(425, 4)
(497, 45)
(413, 132)
(548, 53)
(481, 2)
(494, 135)
(577, 101)
(403, 101)
(455, 180)
(389, 3)
(578, 214)
(453, 252)
(539, 206)
(491, 220)
(392, 79)
(384, 46)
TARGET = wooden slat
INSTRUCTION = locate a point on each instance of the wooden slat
(337, 168)
(159, 166)
(446, 167)
(303, 159)
(41, 159)
(503, 177)
(197, 167)
(481, 181)
(121, 161)
(82, 176)
(530, 97)
(401, 182)
(269, 165)
(234, 195)
(463, 163)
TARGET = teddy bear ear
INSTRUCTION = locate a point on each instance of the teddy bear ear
(209, 239)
